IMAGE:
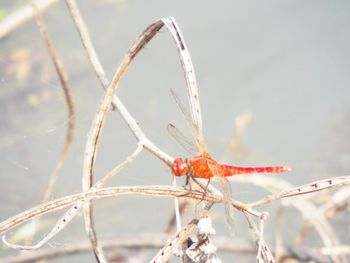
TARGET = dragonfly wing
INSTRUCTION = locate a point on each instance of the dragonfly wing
(182, 139)
(226, 193)
(189, 73)
(189, 120)
(225, 188)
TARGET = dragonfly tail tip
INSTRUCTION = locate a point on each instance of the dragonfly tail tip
(288, 169)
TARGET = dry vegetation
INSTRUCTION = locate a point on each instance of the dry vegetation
(318, 216)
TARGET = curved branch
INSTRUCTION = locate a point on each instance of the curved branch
(149, 190)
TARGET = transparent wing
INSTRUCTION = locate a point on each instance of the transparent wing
(195, 122)
(188, 119)
(226, 192)
(182, 139)
(190, 80)
(225, 188)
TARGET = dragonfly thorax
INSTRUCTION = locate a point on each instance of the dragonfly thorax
(180, 167)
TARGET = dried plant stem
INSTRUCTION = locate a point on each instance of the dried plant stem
(177, 209)
(100, 73)
(98, 124)
(70, 106)
(305, 189)
(308, 210)
(182, 236)
(340, 250)
(337, 202)
(95, 132)
(117, 169)
(173, 221)
(100, 117)
(264, 253)
(93, 191)
(68, 97)
(190, 77)
(156, 241)
(86, 41)
(150, 190)
(22, 15)
(278, 236)
(69, 215)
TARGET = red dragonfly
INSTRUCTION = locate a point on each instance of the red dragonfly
(203, 165)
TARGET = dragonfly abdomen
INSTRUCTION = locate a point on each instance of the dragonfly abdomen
(229, 170)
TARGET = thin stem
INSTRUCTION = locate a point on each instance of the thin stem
(63, 76)
(156, 190)
(22, 15)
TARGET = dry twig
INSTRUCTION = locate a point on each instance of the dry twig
(22, 15)
(68, 97)
(93, 191)
(157, 191)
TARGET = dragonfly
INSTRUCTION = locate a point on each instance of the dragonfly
(202, 165)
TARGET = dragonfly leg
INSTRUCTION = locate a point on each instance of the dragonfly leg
(187, 186)
(188, 181)
(204, 188)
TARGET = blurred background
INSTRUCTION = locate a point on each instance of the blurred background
(285, 64)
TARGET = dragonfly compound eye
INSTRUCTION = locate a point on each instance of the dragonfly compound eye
(179, 167)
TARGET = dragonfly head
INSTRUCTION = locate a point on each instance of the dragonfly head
(179, 167)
